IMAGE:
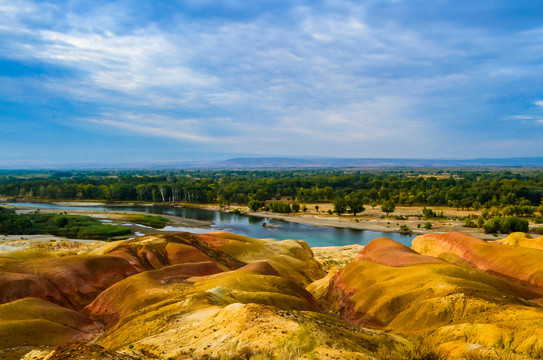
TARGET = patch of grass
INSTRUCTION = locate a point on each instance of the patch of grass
(74, 226)
(154, 221)
(301, 342)
(536, 351)
(419, 349)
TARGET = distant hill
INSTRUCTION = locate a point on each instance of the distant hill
(266, 162)
(278, 162)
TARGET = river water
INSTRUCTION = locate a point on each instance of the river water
(248, 225)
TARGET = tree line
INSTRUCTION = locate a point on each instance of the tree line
(350, 189)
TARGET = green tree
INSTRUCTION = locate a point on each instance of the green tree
(428, 225)
(317, 208)
(404, 229)
(61, 221)
(388, 207)
(280, 207)
(512, 224)
(340, 205)
(355, 202)
(255, 205)
(295, 207)
(492, 226)
(304, 208)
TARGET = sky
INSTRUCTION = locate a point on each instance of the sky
(139, 81)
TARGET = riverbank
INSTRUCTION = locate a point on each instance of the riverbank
(378, 225)
(371, 219)
(176, 221)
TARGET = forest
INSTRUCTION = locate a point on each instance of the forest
(521, 191)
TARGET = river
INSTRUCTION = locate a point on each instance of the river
(250, 226)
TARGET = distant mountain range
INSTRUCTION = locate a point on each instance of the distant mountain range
(294, 163)
(278, 163)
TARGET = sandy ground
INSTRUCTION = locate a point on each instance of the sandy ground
(79, 203)
(40, 237)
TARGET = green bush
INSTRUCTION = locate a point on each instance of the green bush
(512, 224)
(13, 224)
(255, 205)
(492, 226)
(539, 230)
(72, 226)
(469, 223)
(505, 225)
(279, 207)
(155, 221)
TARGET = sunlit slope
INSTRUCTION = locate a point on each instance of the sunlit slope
(248, 297)
(520, 264)
(181, 302)
(292, 259)
(391, 286)
(144, 289)
(524, 240)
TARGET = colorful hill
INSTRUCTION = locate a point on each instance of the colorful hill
(519, 264)
(390, 286)
(181, 296)
(225, 296)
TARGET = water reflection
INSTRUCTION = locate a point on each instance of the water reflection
(250, 226)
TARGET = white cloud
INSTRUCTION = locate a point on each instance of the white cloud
(125, 63)
(520, 117)
(154, 125)
(323, 74)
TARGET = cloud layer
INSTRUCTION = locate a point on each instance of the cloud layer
(339, 78)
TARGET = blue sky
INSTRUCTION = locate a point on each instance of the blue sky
(152, 81)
